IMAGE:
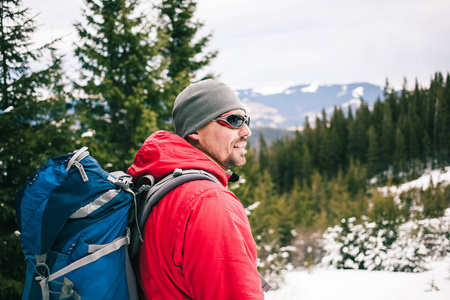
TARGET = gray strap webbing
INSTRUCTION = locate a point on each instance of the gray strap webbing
(168, 183)
(264, 284)
(77, 156)
(131, 278)
(125, 182)
(94, 205)
(107, 249)
(146, 180)
(41, 261)
(75, 160)
(158, 191)
(44, 290)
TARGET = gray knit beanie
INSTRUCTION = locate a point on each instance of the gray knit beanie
(200, 103)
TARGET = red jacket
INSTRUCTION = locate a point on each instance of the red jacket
(197, 240)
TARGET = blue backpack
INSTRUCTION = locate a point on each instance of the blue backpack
(73, 216)
(75, 220)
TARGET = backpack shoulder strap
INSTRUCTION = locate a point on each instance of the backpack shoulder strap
(168, 183)
(156, 192)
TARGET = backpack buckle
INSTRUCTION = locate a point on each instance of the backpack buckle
(177, 172)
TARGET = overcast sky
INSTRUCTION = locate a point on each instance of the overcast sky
(275, 44)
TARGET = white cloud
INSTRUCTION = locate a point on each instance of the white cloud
(291, 42)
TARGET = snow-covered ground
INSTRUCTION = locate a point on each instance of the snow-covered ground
(361, 284)
(321, 283)
(434, 176)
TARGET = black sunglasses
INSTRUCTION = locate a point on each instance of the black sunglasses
(234, 120)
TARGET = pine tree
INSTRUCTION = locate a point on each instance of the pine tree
(263, 156)
(296, 148)
(291, 163)
(377, 116)
(118, 98)
(387, 137)
(325, 148)
(414, 145)
(443, 124)
(433, 201)
(386, 214)
(417, 111)
(433, 98)
(318, 193)
(339, 139)
(391, 99)
(358, 141)
(355, 179)
(338, 201)
(182, 51)
(306, 166)
(300, 197)
(399, 159)
(416, 136)
(310, 141)
(280, 165)
(373, 152)
(35, 126)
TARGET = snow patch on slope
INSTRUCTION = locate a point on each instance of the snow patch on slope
(259, 111)
(358, 92)
(311, 88)
(344, 90)
(423, 182)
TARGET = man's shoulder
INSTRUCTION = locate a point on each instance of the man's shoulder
(210, 195)
(207, 188)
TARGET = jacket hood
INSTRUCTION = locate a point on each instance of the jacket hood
(163, 152)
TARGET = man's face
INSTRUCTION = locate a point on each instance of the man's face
(224, 144)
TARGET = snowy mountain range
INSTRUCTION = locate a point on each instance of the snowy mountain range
(287, 109)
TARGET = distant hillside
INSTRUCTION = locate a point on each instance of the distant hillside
(289, 108)
(269, 134)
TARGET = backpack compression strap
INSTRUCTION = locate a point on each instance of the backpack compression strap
(97, 252)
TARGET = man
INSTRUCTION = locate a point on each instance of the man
(197, 240)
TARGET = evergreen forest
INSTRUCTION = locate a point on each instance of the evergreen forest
(134, 60)
(302, 184)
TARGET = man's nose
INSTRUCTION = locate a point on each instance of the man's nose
(245, 131)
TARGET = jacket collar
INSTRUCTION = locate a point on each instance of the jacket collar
(232, 177)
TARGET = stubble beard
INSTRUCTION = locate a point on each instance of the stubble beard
(232, 162)
(235, 160)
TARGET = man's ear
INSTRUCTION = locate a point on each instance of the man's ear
(194, 136)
